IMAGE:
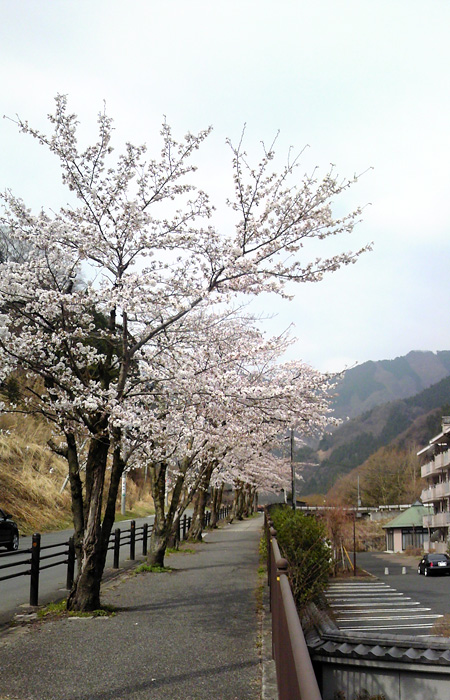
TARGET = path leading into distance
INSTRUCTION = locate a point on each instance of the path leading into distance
(190, 633)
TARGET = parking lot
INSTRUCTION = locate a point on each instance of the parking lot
(393, 599)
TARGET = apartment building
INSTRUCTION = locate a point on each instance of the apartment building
(436, 470)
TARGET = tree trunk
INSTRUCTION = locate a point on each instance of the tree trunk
(85, 594)
(249, 500)
(164, 525)
(216, 503)
(159, 536)
(238, 504)
(198, 519)
(76, 490)
(196, 529)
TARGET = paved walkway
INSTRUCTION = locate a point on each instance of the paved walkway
(191, 634)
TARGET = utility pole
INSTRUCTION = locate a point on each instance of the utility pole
(358, 504)
(124, 493)
(294, 497)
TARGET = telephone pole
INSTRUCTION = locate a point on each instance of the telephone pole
(294, 497)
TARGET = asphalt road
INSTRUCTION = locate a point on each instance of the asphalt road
(394, 600)
(432, 591)
(191, 633)
(15, 592)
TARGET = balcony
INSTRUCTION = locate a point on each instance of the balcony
(437, 520)
(439, 462)
(427, 495)
(436, 492)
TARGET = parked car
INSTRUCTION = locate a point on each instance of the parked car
(9, 532)
(432, 564)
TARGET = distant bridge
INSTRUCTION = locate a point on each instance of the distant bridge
(362, 511)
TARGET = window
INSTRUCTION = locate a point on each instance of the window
(390, 540)
(412, 537)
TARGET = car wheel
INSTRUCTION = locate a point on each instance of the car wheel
(14, 544)
(418, 570)
(426, 572)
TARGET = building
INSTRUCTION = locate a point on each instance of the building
(407, 529)
(436, 470)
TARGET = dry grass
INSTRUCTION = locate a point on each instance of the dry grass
(441, 627)
(31, 475)
(31, 478)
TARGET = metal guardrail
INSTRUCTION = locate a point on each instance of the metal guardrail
(64, 553)
(42, 557)
(296, 679)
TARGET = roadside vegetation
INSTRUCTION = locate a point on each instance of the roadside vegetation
(32, 477)
(303, 542)
(58, 610)
(441, 627)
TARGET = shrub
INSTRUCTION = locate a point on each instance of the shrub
(302, 541)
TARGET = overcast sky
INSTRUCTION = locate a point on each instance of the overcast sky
(365, 83)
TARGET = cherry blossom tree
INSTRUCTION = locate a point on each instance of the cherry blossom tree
(243, 400)
(143, 238)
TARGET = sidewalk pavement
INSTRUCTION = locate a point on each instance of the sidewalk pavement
(192, 634)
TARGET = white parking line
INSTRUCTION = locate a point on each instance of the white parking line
(377, 606)
(406, 603)
(385, 610)
(359, 585)
(389, 617)
(387, 627)
(388, 596)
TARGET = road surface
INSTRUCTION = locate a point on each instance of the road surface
(15, 592)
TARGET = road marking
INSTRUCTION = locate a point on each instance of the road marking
(388, 617)
(355, 582)
(377, 606)
(374, 605)
(387, 596)
(382, 610)
(387, 627)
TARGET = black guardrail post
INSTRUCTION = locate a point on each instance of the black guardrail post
(144, 538)
(133, 540)
(70, 564)
(116, 548)
(34, 572)
(184, 526)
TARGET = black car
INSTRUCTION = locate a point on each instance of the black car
(432, 564)
(9, 532)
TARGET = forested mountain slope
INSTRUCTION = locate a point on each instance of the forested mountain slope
(374, 383)
(408, 423)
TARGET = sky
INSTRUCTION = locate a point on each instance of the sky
(364, 84)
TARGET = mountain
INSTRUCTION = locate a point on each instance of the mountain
(408, 422)
(374, 383)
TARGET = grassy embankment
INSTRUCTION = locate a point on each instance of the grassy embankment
(32, 477)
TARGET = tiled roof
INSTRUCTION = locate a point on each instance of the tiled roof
(324, 638)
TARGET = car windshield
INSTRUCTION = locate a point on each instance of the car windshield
(437, 557)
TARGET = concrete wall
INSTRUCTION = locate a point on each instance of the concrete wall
(398, 541)
(395, 681)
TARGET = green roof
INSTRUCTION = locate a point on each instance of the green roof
(412, 517)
